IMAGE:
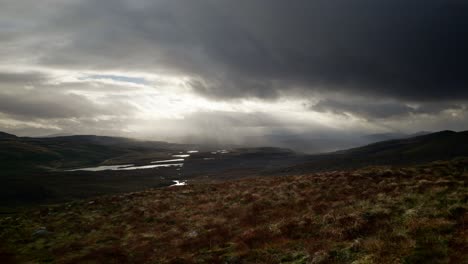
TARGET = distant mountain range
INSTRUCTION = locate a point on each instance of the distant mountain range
(321, 142)
(34, 170)
(390, 136)
(25, 153)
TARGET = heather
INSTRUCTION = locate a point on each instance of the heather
(379, 214)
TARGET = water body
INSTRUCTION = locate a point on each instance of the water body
(128, 167)
(222, 151)
(181, 156)
(166, 161)
(153, 166)
(178, 183)
(103, 168)
(178, 162)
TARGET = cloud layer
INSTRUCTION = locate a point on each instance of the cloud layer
(373, 65)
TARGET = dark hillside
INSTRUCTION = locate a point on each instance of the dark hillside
(20, 154)
(436, 146)
(4, 135)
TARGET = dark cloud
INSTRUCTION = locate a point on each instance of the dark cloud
(385, 61)
(368, 110)
(375, 110)
(242, 88)
(31, 105)
(9, 78)
(399, 49)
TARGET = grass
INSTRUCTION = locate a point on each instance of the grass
(415, 214)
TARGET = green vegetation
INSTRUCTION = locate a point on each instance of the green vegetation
(378, 214)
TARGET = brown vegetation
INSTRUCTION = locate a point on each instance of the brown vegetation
(415, 214)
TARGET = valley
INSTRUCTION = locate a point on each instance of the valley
(112, 200)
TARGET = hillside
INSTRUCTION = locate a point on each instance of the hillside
(415, 214)
(429, 147)
(37, 170)
(4, 135)
(19, 154)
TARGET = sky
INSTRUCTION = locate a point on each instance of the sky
(314, 75)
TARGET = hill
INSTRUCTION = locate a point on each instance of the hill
(37, 170)
(414, 214)
(19, 154)
(34, 170)
(429, 147)
(4, 135)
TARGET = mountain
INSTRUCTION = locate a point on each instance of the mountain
(441, 145)
(384, 136)
(55, 135)
(391, 136)
(317, 142)
(36, 169)
(4, 135)
(23, 153)
(18, 154)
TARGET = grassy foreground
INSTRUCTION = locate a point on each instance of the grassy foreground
(414, 214)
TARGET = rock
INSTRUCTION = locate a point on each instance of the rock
(320, 257)
(356, 245)
(42, 232)
(192, 234)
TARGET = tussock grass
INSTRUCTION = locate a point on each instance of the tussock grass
(414, 214)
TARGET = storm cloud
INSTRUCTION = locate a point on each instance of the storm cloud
(382, 110)
(412, 50)
(379, 64)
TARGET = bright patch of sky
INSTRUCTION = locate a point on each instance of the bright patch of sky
(137, 80)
